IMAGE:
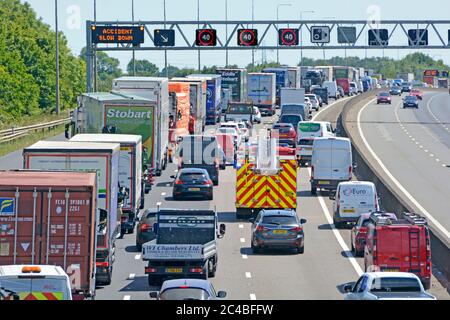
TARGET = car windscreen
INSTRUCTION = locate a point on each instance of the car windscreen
(198, 151)
(57, 287)
(282, 129)
(309, 127)
(226, 130)
(395, 284)
(189, 177)
(184, 294)
(240, 109)
(171, 233)
(383, 94)
(305, 142)
(410, 98)
(279, 220)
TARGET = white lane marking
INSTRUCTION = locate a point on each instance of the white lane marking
(426, 150)
(421, 147)
(242, 240)
(437, 160)
(158, 203)
(176, 170)
(131, 276)
(431, 112)
(431, 155)
(137, 257)
(417, 142)
(248, 275)
(394, 180)
(127, 297)
(444, 165)
(163, 193)
(168, 185)
(241, 226)
(244, 256)
(252, 296)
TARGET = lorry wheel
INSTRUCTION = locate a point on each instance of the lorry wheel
(107, 282)
(313, 190)
(138, 247)
(142, 205)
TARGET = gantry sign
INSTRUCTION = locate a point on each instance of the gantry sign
(249, 35)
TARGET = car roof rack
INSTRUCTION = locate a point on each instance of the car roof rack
(414, 218)
(381, 218)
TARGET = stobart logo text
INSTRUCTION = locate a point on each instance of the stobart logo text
(130, 114)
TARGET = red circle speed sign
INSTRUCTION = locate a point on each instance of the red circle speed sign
(206, 37)
(247, 37)
(288, 37)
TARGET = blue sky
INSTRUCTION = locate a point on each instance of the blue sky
(74, 13)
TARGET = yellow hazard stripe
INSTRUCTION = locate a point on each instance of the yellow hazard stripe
(278, 195)
(248, 192)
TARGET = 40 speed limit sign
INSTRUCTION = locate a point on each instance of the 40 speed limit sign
(288, 37)
(247, 37)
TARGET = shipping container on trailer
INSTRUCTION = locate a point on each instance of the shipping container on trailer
(236, 81)
(294, 77)
(327, 71)
(181, 112)
(50, 218)
(155, 89)
(102, 158)
(130, 171)
(281, 80)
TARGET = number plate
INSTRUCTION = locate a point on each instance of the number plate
(324, 182)
(308, 148)
(390, 270)
(174, 270)
(349, 210)
(279, 231)
(194, 189)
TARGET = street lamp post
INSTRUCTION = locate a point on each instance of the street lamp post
(278, 7)
(301, 35)
(198, 27)
(134, 52)
(253, 19)
(57, 60)
(226, 31)
(165, 51)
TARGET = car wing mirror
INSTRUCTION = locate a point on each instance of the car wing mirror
(172, 177)
(153, 294)
(303, 221)
(222, 229)
(348, 288)
(221, 294)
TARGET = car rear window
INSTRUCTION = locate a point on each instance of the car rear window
(306, 142)
(291, 118)
(279, 220)
(282, 129)
(395, 284)
(184, 294)
(188, 177)
(384, 94)
(309, 127)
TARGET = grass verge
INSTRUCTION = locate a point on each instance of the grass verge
(30, 120)
(29, 139)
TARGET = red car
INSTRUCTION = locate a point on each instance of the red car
(359, 232)
(417, 93)
(384, 97)
(284, 132)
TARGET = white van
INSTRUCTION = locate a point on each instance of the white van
(332, 89)
(307, 131)
(352, 199)
(331, 163)
(34, 282)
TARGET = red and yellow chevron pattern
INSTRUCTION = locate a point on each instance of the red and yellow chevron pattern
(263, 192)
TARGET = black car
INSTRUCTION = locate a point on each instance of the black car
(411, 102)
(395, 91)
(406, 88)
(322, 93)
(277, 229)
(192, 183)
(144, 231)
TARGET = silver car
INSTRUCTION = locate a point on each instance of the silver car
(314, 101)
(387, 286)
(187, 289)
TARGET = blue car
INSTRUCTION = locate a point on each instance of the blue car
(411, 102)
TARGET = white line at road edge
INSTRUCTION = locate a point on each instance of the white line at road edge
(395, 181)
(336, 233)
(252, 296)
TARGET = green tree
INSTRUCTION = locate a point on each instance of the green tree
(107, 70)
(144, 68)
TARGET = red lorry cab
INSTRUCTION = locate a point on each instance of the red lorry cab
(399, 245)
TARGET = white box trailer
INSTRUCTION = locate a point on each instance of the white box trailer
(155, 89)
(261, 90)
(102, 158)
(292, 96)
(294, 77)
(130, 171)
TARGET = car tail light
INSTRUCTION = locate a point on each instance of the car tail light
(292, 133)
(207, 182)
(261, 228)
(178, 181)
(145, 227)
(104, 264)
(296, 229)
(150, 270)
(196, 270)
(428, 247)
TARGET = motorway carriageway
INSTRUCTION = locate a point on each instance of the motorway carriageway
(319, 273)
(414, 146)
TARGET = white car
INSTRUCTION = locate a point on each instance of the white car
(231, 131)
(314, 101)
(307, 131)
(352, 199)
(387, 286)
(244, 131)
(256, 115)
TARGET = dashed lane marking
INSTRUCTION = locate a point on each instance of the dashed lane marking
(244, 256)
(158, 203)
(241, 226)
(242, 240)
(252, 296)
(137, 257)
(163, 193)
(248, 275)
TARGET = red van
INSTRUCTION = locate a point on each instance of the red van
(399, 245)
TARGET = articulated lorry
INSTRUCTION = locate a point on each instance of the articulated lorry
(236, 81)
(282, 78)
(185, 245)
(101, 158)
(213, 96)
(102, 112)
(49, 218)
(261, 90)
(130, 173)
